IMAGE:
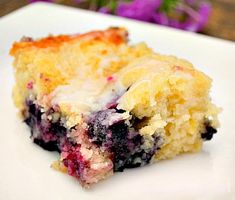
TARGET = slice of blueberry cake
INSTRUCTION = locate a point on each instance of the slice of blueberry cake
(105, 105)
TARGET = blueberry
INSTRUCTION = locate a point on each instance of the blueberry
(34, 110)
(58, 129)
(50, 146)
(97, 130)
(120, 110)
(121, 139)
(209, 132)
(42, 128)
(119, 132)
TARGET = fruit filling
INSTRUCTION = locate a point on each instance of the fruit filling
(128, 148)
(109, 142)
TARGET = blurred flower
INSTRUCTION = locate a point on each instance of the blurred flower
(190, 15)
(203, 15)
(138, 9)
(104, 10)
(32, 1)
(192, 18)
(160, 18)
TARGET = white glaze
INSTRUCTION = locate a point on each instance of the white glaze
(87, 95)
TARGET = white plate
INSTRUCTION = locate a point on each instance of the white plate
(25, 168)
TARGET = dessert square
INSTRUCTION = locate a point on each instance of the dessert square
(106, 105)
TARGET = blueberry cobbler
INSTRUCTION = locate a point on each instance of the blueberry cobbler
(105, 105)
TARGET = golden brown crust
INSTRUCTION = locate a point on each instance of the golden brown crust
(48, 62)
(112, 35)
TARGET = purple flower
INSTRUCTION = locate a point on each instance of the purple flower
(104, 10)
(160, 18)
(191, 16)
(190, 2)
(196, 19)
(204, 12)
(138, 9)
(32, 1)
